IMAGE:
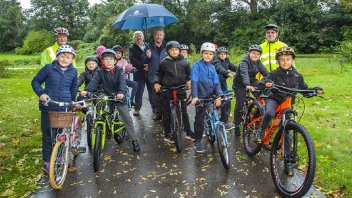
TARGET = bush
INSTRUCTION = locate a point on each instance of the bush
(345, 49)
(36, 42)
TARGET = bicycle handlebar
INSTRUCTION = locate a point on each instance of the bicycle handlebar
(65, 104)
(163, 89)
(305, 92)
(104, 97)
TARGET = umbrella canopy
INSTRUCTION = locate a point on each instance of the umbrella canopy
(143, 17)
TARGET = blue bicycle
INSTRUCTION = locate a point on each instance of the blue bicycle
(214, 129)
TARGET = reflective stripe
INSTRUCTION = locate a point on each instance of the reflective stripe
(52, 54)
(266, 55)
(272, 62)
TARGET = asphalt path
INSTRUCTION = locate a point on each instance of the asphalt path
(159, 171)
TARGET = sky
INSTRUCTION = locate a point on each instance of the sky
(26, 3)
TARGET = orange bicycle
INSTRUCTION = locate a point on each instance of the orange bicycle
(292, 144)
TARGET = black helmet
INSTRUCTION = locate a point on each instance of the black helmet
(184, 47)
(172, 44)
(272, 27)
(117, 48)
(221, 49)
(285, 51)
(255, 47)
(108, 51)
(91, 58)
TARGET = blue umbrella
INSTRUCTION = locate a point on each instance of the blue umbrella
(143, 17)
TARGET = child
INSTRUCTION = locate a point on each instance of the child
(174, 71)
(100, 50)
(60, 79)
(205, 84)
(110, 77)
(223, 67)
(91, 70)
(286, 75)
(121, 62)
(184, 50)
(244, 80)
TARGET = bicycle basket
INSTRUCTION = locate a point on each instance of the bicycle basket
(60, 119)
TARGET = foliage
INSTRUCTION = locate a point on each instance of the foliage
(35, 42)
(345, 49)
(11, 23)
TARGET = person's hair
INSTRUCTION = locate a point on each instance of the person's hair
(138, 32)
(158, 30)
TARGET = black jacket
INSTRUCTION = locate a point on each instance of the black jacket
(112, 83)
(247, 71)
(287, 78)
(138, 58)
(222, 67)
(173, 72)
(86, 76)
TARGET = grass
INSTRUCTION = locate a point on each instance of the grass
(328, 120)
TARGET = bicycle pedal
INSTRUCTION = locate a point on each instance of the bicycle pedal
(82, 149)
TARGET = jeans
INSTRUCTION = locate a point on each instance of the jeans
(125, 117)
(157, 102)
(140, 91)
(134, 86)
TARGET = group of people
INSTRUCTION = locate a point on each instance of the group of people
(160, 64)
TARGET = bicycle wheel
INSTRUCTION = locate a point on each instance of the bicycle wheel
(176, 128)
(59, 161)
(89, 120)
(251, 128)
(207, 130)
(76, 137)
(97, 147)
(222, 145)
(299, 152)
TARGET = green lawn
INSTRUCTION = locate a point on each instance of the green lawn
(328, 120)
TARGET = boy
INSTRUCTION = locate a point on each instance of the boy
(121, 62)
(286, 75)
(205, 84)
(173, 71)
(244, 80)
(91, 70)
(60, 79)
(184, 50)
(111, 79)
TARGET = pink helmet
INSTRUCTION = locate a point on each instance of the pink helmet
(60, 30)
(100, 50)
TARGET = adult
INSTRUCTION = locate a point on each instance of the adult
(270, 46)
(139, 54)
(158, 50)
(49, 54)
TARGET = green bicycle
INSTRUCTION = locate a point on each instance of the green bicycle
(105, 126)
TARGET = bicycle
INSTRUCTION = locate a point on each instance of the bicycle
(68, 127)
(102, 123)
(176, 116)
(215, 129)
(292, 145)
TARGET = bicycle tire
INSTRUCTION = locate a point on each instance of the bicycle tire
(251, 128)
(208, 131)
(302, 140)
(58, 168)
(222, 146)
(176, 128)
(76, 138)
(97, 148)
(89, 120)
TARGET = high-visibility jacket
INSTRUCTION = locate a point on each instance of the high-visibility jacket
(49, 55)
(269, 52)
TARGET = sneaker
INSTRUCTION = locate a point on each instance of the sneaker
(169, 139)
(46, 167)
(135, 145)
(198, 147)
(157, 117)
(229, 126)
(136, 112)
(190, 136)
(260, 137)
(289, 169)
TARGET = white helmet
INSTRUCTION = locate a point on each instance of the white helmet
(66, 48)
(207, 46)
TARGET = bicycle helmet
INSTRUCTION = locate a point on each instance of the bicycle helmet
(221, 49)
(100, 50)
(285, 51)
(66, 49)
(91, 58)
(60, 30)
(117, 48)
(172, 44)
(255, 47)
(108, 51)
(184, 47)
(207, 46)
(272, 27)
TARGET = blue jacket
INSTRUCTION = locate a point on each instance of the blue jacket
(58, 85)
(205, 80)
(154, 61)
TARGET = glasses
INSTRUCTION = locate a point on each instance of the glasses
(108, 59)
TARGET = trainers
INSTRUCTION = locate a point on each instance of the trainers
(169, 139)
(157, 117)
(190, 136)
(198, 147)
(46, 167)
(136, 112)
(229, 126)
(289, 169)
(135, 145)
(260, 137)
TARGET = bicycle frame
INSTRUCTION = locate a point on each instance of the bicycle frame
(213, 117)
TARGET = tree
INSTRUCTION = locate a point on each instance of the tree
(11, 22)
(49, 14)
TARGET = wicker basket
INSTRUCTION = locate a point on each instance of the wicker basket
(60, 119)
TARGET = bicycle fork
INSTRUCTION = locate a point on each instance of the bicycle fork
(103, 135)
